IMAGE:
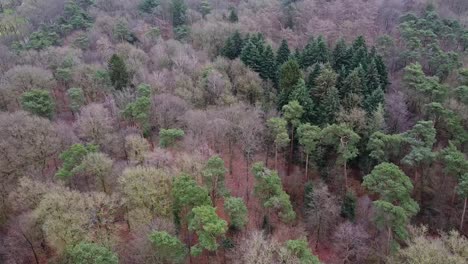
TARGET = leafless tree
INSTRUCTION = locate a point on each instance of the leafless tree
(351, 241)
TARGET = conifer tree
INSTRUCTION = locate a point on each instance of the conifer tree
(233, 47)
(308, 56)
(292, 112)
(322, 53)
(250, 55)
(340, 55)
(277, 127)
(233, 18)
(301, 94)
(325, 96)
(178, 10)
(118, 73)
(283, 53)
(289, 75)
(309, 136)
(310, 81)
(205, 8)
(268, 65)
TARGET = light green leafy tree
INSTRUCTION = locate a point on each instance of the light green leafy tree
(213, 177)
(345, 141)
(237, 212)
(91, 253)
(72, 159)
(292, 112)
(167, 137)
(168, 247)
(279, 131)
(269, 190)
(309, 137)
(38, 102)
(208, 227)
(395, 206)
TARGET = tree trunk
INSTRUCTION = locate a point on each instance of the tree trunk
(463, 216)
(231, 156)
(276, 157)
(345, 172)
(103, 182)
(291, 152)
(318, 234)
(32, 247)
(247, 177)
(307, 167)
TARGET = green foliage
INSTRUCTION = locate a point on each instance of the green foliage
(293, 112)
(233, 46)
(90, 253)
(326, 96)
(300, 248)
(208, 226)
(76, 98)
(421, 138)
(348, 208)
(233, 18)
(178, 10)
(72, 158)
(289, 75)
(309, 136)
(343, 138)
(187, 195)
(42, 39)
(308, 195)
(279, 131)
(455, 163)
(283, 53)
(118, 73)
(462, 187)
(204, 8)
(237, 212)
(147, 6)
(301, 94)
(167, 137)
(395, 205)
(269, 190)
(213, 177)
(38, 102)
(385, 147)
(168, 247)
(75, 17)
(139, 110)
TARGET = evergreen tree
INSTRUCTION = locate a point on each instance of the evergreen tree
(268, 65)
(359, 53)
(209, 228)
(169, 247)
(237, 212)
(178, 10)
(372, 102)
(38, 102)
(289, 76)
(118, 72)
(340, 55)
(308, 56)
(213, 177)
(91, 253)
(233, 18)
(322, 53)
(283, 53)
(293, 113)
(308, 137)
(348, 208)
(353, 88)
(301, 94)
(147, 6)
(325, 96)
(250, 55)
(310, 81)
(205, 8)
(233, 47)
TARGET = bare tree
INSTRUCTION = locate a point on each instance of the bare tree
(351, 241)
(94, 123)
(167, 111)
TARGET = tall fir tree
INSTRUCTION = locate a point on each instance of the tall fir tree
(233, 47)
(301, 94)
(340, 55)
(179, 10)
(289, 76)
(233, 18)
(118, 73)
(359, 53)
(283, 53)
(250, 55)
(308, 55)
(310, 81)
(268, 65)
(322, 53)
(325, 96)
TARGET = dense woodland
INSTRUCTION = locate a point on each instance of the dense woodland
(236, 131)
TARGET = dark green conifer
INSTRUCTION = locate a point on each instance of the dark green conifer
(283, 53)
(118, 72)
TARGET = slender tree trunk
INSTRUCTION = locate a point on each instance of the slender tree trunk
(267, 156)
(276, 157)
(345, 172)
(463, 216)
(318, 233)
(291, 152)
(247, 177)
(103, 182)
(231, 156)
(307, 167)
(31, 246)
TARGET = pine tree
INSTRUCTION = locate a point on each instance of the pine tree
(268, 65)
(310, 81)
(322, 53)
(205, 8)
(289, 76)
(250, 55)
(340, 55)
(308, 55)
(359, 53)
(233, 47)
(233, 18)
(118, 72)
(302, 94)
(178, 10)
(325, 96)
(382, 70)
(283, 53)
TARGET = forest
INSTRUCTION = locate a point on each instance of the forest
(235, 131)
